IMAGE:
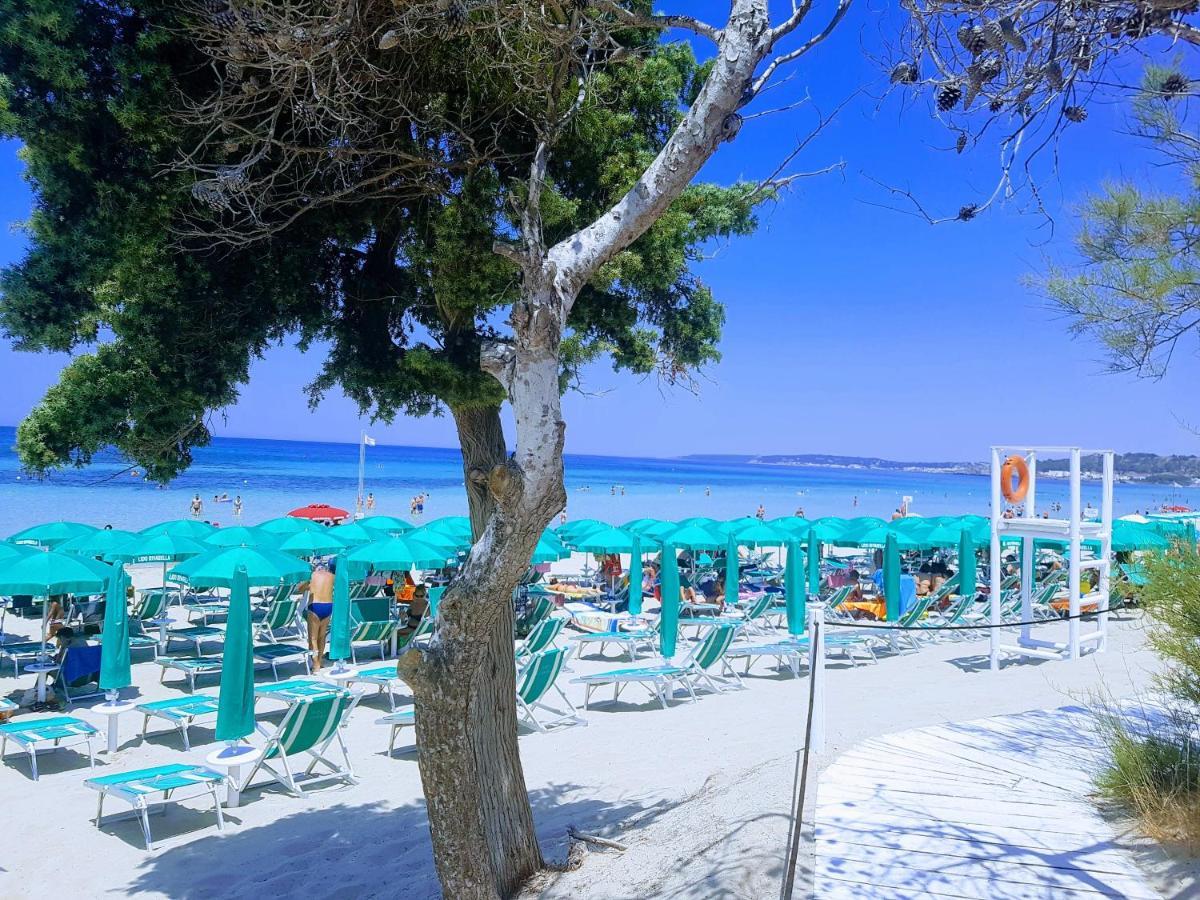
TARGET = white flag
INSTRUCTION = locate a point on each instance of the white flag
(368, 440)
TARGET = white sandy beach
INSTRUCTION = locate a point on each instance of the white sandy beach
(699, 792)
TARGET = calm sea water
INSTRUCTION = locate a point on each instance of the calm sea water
(275, 476)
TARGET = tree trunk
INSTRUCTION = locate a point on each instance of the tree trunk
(481, 437)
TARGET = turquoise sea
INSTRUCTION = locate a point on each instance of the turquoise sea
(275, 476)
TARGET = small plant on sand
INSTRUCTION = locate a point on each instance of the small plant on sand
(1153, 769)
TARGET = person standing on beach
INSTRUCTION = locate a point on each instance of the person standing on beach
(237, 506)
(760, 513)
(197, 506)
(320, 610)
(370, 502)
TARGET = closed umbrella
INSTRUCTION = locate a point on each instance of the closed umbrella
(966, 563)
(307, 544)
(97, 544)
(814, 565)
(635, 577)
(242, 536)
(669, 615)
(192, 528)
(733, 585)
(793, 586)
(891, 579)
(339, 627)
(51, 534)
(263, 568)
(235, 704)
(114, 640)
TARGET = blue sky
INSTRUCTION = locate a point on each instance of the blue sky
(851, 328)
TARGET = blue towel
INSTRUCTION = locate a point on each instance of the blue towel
(81, 665)
(908, 593)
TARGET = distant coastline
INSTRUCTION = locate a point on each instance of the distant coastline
(1148, 468)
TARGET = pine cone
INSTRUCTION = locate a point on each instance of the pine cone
(1174, 85)
(972, 39)
(993, 35)
(456, 14)
(968, 212)
(904, 73)
(1054, 75)
(996, 105)
(948, 97)
(1012, 37)
(961, 144)
(1074, 113)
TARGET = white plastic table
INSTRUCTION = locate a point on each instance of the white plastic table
(162, 624)
(113, 711)
(232, 759)
(41, 669)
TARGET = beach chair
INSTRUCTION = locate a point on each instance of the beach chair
(80, 667)
(383, 676)
(204, 610)
(371, 622)
(181, 712)
(752, 619)
(308, 728)
(787, 654)
(642, 638)
(195, 635)
(398, 721)
(834, 605)
(59, 732)
(191, 667)
(275, 655)
(139, 787)
(660, 680)
(280, 615)
(295, 689)
(543, 635)
(21, 652)
(537, 680)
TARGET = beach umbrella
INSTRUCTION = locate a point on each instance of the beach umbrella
(669, 614)
(855, 531)
(192, 528)
(760, 534)
(827, 530)
(307, 544)
(242, 536)
(265, 567)
(1129, 536)
(395, 554)
(49, 573)
(13, 551)
(352, 534)
(635, 577)
(733, 525)
(655, 530)
(235, 703)
(576, 528)
(549, 549)
(700, 521)
(319, 512)
(389, 525)
(448, 545)
(639, 525)
(114, 639)
(606, 540)
(97, 543)
(339, 626)
(793, 586)
(162, 547)
(891, 578)
(695, 537)
(966, 563)
(458, 527)
(51, 534)
(795, 526)
(290, 525)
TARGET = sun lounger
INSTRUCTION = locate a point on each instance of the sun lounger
(191, 667)
(275, 655)
(660, 680)
(195, 635)
(309, 727)
(59, 732)
(383, 676)
(371, 622)
(139, 787)
(207, 609)
(753, 620)
(405, 718)
(295, 689)
(643, 637)
(22, 652)
(180, 712)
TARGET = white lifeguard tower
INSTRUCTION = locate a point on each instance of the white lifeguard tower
(1074, 530)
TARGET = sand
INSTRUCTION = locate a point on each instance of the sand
(698, 792)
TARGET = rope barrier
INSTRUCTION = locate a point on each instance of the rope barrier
(927, 628)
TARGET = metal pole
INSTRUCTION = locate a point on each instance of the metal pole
(996, 575)
(816, 671)
(1075, 550)
(1106, 519)
(362, 465)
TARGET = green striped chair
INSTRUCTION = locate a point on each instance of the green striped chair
(206, 609)
(308, 728)
(543, 635)
(753, 620)
(538, 679)
(660, 680)
(282, 614)
(59, 732)
(181, 712)
(371, 622)
(138, 788)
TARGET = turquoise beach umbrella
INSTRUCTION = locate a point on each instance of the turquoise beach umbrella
(394, 554)
(339, 627)
(114, 639)
(635, 577)
(457, 527)
(352, 534)
(97, 543)
(695, 537)
(760, 534)
(576, 528)
(794, 526)
(638, 525)
(307, 544)
(828, 530)
(235, 704)
(702, 521)
(669, 614)
(606, 540)
(549, 549)
(891, 578)
(47, 573)
(966, 563)
(263, 567)
(242, 536)
(736, 524)
(446, 544)
(793, 586)
(283, 525)
(14, 551)
(192, 528)
(163, 547)
(51, 534)
(387, 524)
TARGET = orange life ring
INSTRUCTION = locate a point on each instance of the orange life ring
(1014, 464)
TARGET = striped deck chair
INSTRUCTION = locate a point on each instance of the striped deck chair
(752, 619)
(151, 605)
(181, 712)
(371, 622)
(281, 614)
(309, 727)
(537, 680)
(195, 635)
(383, 676)
(20, 652)
(191, 667)
(275, 655)
(644, 637)
(405, 718)
(660, 680)
(58, 732)
(833, 606)
(138, 788)
(542, 636)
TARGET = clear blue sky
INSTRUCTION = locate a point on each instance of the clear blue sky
(851, 329)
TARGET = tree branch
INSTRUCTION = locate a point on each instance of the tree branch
(660, 20)
(793, 55)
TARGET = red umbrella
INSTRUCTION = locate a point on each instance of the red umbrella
(319, 511)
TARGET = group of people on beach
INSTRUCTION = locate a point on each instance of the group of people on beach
(197, 505)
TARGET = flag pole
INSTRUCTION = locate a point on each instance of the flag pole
(362, 465)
